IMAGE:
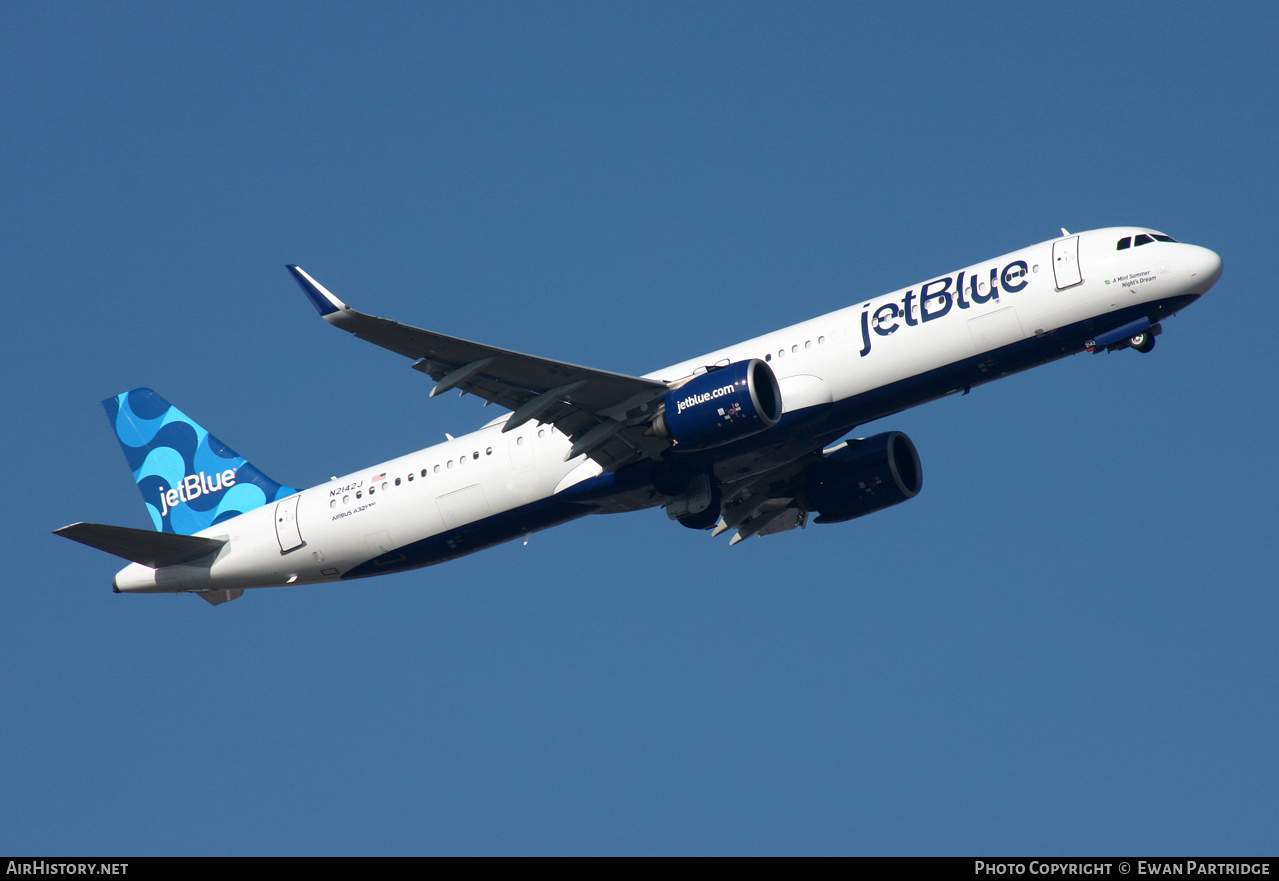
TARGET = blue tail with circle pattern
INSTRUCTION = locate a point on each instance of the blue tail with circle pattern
(189, 479)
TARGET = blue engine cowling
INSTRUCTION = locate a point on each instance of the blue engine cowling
(722, 405)
(863, 476)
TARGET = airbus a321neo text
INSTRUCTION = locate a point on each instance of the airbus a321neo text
(741, 440)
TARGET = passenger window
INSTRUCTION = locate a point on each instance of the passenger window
(488, 451)
(768, 357)
(372, 490)
(411, 475)
(808, 344)
(437, 469)
(475, 455)
(397, 480)
(1123, 243)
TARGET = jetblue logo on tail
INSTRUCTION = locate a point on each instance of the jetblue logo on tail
(189, 479)
(192, 487)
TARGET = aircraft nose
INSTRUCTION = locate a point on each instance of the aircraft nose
(1205, 267)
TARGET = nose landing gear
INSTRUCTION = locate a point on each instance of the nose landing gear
(1139, 335)
(1143, 342)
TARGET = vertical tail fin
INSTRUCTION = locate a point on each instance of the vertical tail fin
(189, 479)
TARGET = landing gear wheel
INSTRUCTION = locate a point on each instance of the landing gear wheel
(704, 520)
(1143, 342)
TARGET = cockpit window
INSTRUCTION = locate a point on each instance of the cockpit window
(1142, 239)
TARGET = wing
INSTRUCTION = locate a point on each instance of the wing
(607, 415)
(765, 504)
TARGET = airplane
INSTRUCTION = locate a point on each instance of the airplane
(744, 439)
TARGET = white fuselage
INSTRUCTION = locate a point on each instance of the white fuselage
(324, 532)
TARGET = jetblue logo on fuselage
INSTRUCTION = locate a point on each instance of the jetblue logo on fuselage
(192, 487)
(936, 298)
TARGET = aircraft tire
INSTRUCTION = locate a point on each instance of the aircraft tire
(1143, 342)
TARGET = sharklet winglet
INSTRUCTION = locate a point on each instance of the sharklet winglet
(324, 301)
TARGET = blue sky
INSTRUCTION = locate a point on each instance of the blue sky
(1065, 644)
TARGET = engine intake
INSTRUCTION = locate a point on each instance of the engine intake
(722, 405)
(864, 476)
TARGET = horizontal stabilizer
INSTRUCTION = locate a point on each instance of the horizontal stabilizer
(154, 549)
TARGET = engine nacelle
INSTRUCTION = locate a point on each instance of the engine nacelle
(863, 476)
(722, 405)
